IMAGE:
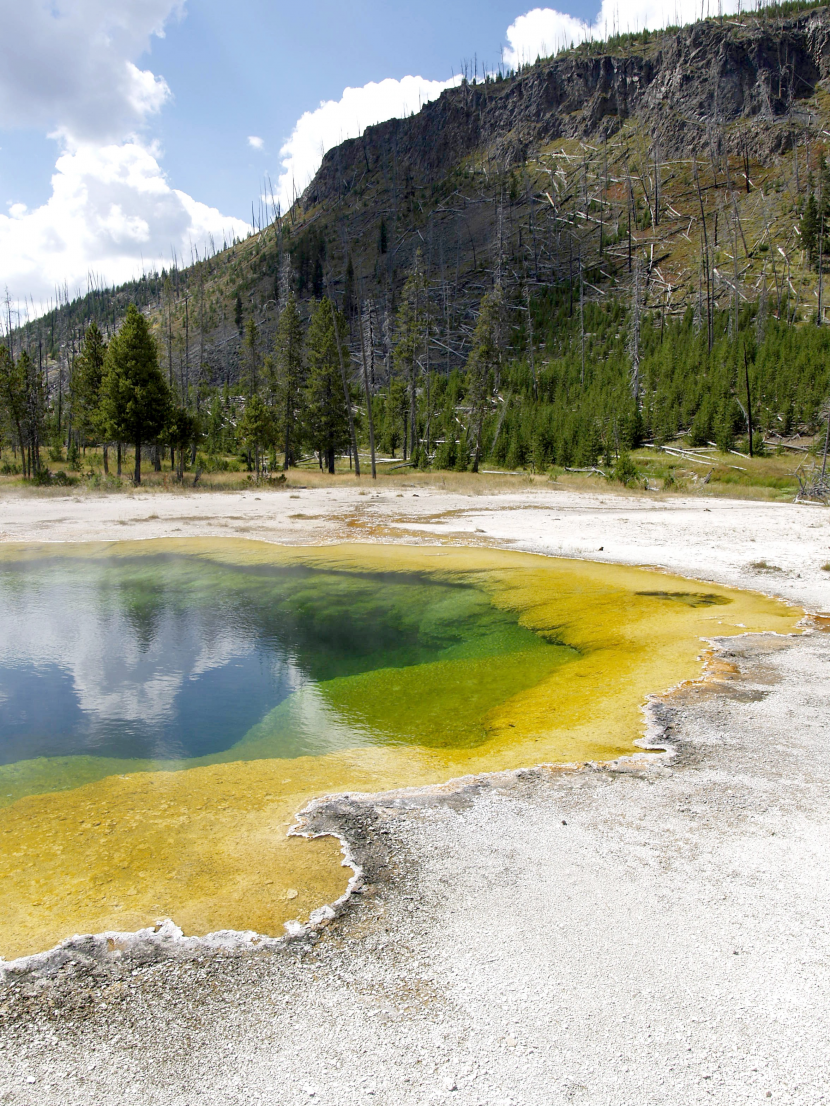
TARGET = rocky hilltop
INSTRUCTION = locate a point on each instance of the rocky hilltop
(677, 86)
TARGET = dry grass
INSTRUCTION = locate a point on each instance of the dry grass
(729, 475)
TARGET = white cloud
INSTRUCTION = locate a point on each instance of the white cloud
(336, 120)
(538, 33)
(111, 212)
(543, 31)
(69, 65)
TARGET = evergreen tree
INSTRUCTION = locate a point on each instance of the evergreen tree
(85, 388)
(810, 228)
(410, 336)
(215, 426)
(34, 419)
(181, 431)
(289, 378)
(135, 399)
(13, 399)
(348, 290)
(327, 417)
(251, 358)
(256, 429)
(394, 416)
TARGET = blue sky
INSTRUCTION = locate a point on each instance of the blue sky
(252, 68)
(257, 73)
(137, 128)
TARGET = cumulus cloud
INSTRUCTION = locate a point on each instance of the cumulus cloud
(336, 120)
(111, 212)
(543, 31)
(538, 33)
(255, 141)
(70, 65)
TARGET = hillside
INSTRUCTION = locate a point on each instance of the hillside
(650, 185)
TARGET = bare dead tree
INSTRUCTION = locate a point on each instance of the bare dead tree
(366, 324)
(634, 346)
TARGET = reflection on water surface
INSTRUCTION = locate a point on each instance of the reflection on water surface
(166, 708)
(170, 657)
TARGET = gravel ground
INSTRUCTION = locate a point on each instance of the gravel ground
(632, 933)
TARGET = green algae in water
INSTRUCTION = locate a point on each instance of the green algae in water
(123, 664)
(208, 846)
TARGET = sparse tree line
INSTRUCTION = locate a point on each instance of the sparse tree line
(548, 380)
(117, 394)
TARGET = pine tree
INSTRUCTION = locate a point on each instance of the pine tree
(181, 431)
(251, 358)
(348, 290)
(394, 416)
(809, 228)
(410, 335)
(327, 418)
(135, 399)
(85, 389)
(215, 431)
(256, 429)
(34, 419)
(289, 378)
(13, 399)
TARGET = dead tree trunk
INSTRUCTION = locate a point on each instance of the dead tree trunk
(364, 319)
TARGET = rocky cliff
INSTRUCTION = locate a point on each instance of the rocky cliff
(678, 86)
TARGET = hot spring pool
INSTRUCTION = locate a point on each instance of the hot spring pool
(167, 707)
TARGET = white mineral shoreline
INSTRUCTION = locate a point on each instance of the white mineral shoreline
(615, 935)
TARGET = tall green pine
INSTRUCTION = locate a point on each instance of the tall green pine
(135, 399)
(85, 389)
(289, 379)
(327, 417)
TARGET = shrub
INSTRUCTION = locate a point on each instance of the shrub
(44, 479)
(625, 471)
(758, 447)
(445, 454)
(102, 480)
(212, 462)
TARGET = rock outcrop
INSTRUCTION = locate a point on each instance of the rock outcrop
(686, 89)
